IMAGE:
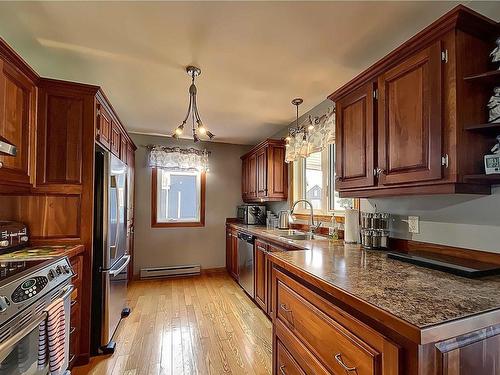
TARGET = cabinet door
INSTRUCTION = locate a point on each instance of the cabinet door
(103, 126)
(277, 177)
(17, 118)
(260, 274)
(65, 118)
(252, 176)
(354, 151)
(229, 252)
(123, 148)
(409, 119)
(115, 139)
(262, 173)
(234, 256)
(244, 178)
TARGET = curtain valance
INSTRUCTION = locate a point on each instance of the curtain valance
(320, 136)
(178, 159)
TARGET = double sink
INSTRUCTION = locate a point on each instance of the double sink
(296, 235)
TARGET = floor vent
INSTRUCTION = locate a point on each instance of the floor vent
(159, 272)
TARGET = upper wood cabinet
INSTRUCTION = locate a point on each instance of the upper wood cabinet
(409, 119)
(355, 139)
(401, 126)
(265, 173)
(110, 132)
(65, 122)
(103, 126)
(17, 125)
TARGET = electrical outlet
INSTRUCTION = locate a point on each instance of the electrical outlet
(413, 224)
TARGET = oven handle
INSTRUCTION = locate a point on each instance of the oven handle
(7, 345)
(67, 291)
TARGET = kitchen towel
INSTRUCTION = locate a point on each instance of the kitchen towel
(351, 226)
(52, 338)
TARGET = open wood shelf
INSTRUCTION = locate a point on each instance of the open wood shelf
(490, 77)
(484, 127)
(490, 179)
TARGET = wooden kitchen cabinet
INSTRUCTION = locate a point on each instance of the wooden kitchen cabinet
(103, 126)
(17, 125)
(401, 125)
(331, 338)
(232, 253)
(409, 122)
(251, 177)
(265, 173)
(355, 139)
(65, 135)
(115, 139)
(261, 157)
(260, 274)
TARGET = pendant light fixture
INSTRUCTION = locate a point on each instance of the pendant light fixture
(198, 126)
(297, 131)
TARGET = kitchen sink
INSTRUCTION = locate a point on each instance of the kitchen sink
(302, 236)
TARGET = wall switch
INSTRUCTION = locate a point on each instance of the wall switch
(413, 224)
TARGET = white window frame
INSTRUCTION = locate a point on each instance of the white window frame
(328, 169)
(162, 177)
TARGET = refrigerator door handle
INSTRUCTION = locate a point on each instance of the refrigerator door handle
(116, 272)
(113, 248)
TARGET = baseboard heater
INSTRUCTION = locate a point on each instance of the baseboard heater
(160, 272)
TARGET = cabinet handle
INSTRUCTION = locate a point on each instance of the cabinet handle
(338, 179)
(285, 309)
(379, 171)
(1, 164)
(72, 330)
(282, 370)
(338, 358)
(73, 302)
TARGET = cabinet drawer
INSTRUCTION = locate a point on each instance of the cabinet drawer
(335, 346)
(286, 364)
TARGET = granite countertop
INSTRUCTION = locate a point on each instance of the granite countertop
(420, 296)
(42, 252)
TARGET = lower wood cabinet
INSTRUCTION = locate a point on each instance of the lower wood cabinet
(286, 363)
(260, 274)
(75, 320)
(232, 253)
(337, 342)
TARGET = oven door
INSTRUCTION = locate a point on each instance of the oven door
(19, 353)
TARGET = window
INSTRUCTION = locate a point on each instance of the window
(177, 199)
(314, 180)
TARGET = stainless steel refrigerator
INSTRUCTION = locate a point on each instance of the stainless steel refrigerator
(110, 252)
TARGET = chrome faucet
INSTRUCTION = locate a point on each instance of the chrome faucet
(312, 227)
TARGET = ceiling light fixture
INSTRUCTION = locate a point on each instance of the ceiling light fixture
(294, 130)
(199, 128)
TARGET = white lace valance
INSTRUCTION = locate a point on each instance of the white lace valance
(178, 159)
(320, 136)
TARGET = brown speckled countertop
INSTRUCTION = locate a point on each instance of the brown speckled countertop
(419, 296)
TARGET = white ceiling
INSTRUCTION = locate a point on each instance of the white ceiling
(255, 56)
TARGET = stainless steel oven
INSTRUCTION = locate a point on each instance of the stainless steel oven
(22, 313)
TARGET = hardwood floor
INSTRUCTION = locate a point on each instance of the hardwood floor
(197, 325)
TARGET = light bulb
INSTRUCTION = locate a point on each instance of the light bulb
(311, 127)
(179, 130)
(202, 129)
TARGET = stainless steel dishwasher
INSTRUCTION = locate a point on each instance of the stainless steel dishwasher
(245, 262)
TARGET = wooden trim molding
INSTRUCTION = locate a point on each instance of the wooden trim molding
(156, 224)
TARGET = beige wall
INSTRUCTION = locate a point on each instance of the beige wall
(181, 246)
